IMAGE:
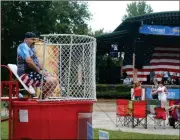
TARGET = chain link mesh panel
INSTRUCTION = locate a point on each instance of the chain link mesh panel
(70, 59)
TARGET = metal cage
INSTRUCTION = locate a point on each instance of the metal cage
(71, 60)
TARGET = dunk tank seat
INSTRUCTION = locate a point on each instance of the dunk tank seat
(29, 89)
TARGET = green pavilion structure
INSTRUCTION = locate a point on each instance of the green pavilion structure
(154, 39)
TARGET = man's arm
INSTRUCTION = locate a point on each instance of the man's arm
(31, 64)
(165, 90)
(173, 107)
(24, 52)
(40, 65)
(177, 106)
(154, 92)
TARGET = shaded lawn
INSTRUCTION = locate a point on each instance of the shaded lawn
(112, 134)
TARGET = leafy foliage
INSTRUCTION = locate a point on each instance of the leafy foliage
(137, 9)
(41, 17)
(97, 32)
(71, 17)
(113, 92)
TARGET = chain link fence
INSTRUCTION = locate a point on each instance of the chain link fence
(70, 59)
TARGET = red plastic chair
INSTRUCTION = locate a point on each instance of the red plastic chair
(160, 116)
(122, 112)
(172, 114)
(139, 113)
(172, 102)
(151, 104)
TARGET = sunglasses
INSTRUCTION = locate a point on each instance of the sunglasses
(33, 39)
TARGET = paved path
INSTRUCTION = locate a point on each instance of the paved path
(104, 116)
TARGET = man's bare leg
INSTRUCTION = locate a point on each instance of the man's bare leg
(49, 87)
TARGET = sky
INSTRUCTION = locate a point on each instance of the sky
(108, 14)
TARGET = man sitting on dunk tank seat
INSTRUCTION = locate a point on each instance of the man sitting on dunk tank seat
(29, 68)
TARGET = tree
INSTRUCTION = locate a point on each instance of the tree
(42, 17)
(19, 17)
(71, 17)
(97, 32)
(137, 9)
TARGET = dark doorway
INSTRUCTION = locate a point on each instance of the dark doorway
(109, 75)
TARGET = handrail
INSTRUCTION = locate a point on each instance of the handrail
(10, 85)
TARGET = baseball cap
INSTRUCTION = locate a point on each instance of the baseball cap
(30, 35)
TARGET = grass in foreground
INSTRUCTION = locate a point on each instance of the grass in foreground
(4, 130)
(129, 135)
(112, 134)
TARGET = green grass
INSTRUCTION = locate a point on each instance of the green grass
(112, 134)
(4, 130)
(129, 135)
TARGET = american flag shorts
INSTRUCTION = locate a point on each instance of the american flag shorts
(33, 79)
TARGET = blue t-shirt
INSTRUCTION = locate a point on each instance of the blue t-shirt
(166, 74)
(23, 51)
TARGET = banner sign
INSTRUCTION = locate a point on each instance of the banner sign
(159, 30)
(114, 50)
(103, 135)
(172, 93)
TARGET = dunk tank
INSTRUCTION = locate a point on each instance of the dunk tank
(64, 115)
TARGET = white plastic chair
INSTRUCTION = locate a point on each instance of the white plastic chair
(29, 89)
